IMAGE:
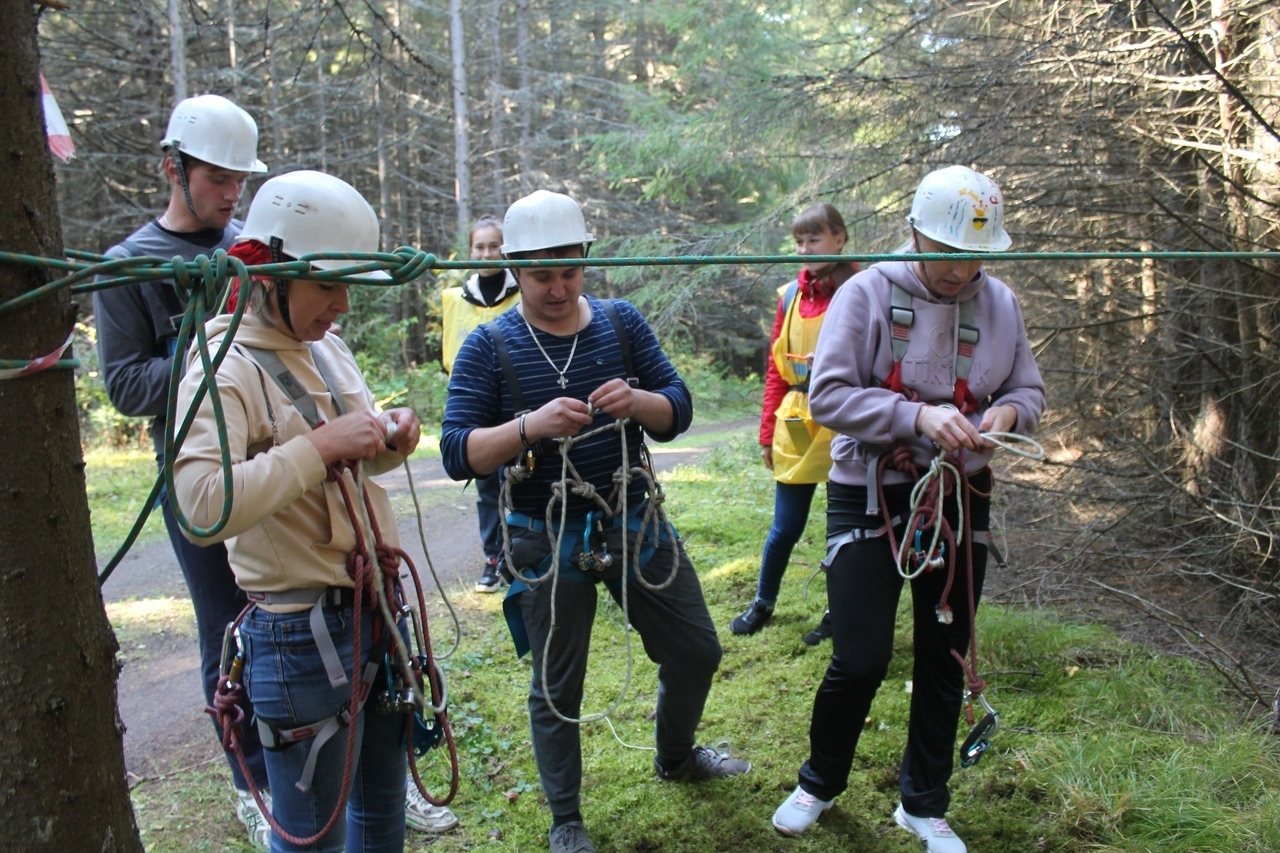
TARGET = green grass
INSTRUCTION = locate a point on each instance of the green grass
(1105, 746)
(118, 482)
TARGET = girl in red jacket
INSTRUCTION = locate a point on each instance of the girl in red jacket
(796, 449)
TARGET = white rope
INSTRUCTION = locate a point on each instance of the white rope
(565, 447)
(937, 470)
(431, 566)
(1019, 445)
(615, 506)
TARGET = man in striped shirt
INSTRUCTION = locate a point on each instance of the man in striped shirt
(559, 365)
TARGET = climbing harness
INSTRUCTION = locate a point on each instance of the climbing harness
(648, 524)
(929, 542)
(413, 683)
(645, 526)
(902, 317)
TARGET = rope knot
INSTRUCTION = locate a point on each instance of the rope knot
(900, 458)
(227, 712)
(413, 263)
(388, 558)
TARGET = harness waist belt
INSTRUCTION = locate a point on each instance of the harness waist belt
(573, 525)
(329, 596)
(803, 387)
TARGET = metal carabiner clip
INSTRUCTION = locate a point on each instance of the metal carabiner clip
(589, 560)
(979, 738)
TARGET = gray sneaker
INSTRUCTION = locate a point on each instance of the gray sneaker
(703, 763)
(570, 837)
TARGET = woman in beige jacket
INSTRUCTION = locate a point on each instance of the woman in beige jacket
(296, 405)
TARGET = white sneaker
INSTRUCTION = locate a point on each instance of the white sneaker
(934, 831)
(254, 820)
(421, 815)
(798, 812)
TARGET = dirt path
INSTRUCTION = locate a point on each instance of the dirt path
(160, 698)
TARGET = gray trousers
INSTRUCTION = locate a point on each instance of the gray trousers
(678, 636)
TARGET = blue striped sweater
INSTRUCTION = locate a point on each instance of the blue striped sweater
(479, 397)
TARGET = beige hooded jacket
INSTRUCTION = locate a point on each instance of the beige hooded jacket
(288, 528)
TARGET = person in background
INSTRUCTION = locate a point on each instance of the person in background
(210, 150)
(562, 364)
(915, 356)
(483, 296)
(796, 449)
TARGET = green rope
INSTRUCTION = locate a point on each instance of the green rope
(88, 272)
(20, 363)
(202, 283)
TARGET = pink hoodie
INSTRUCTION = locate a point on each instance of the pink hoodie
(854, 356)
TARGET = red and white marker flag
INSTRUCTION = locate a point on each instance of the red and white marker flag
(55, 125)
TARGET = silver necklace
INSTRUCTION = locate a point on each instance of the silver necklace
(564, 383)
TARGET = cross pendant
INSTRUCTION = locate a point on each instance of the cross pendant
(564, 383)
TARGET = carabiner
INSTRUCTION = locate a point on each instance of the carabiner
(978, 740)
(589, 560)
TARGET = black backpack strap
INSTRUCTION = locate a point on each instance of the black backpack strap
(624, 340)
(508, 366)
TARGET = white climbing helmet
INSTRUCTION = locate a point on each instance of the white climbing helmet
(961, 208)
(212, 129)
(308, 212)
(544, 220)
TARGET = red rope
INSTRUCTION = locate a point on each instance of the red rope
(928, 514)
(229, 715)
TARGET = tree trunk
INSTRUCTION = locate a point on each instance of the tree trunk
(178, 52)
(63, 763)
(497, 141)
(232, 59)
(525, 96)
(461, 123)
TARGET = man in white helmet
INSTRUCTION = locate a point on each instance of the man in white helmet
(560, 365)
(210, 149)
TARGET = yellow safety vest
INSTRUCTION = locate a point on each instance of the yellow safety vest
(801, 448)
(459, 317)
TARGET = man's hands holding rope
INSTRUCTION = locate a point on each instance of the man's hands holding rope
(363, 435)
(565, 417)
(950, 430)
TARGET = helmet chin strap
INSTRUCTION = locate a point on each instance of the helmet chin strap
(182, 179)
(924, 270)
(276, 246)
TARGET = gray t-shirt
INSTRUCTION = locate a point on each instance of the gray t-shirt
(138, 323)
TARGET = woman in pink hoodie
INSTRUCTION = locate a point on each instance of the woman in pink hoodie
(915, 357)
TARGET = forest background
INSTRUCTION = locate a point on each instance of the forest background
(701, 128)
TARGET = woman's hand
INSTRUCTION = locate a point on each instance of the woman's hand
(947, 428)
(766, 455)
(408, 430)
(998, 419)
(356, 435)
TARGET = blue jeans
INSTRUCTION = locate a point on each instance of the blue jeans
(791, 504)
(286, 678)
(217, 601)
(488, 490)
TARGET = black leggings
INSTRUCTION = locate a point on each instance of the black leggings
(863, 586)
